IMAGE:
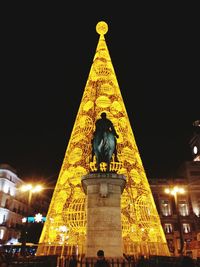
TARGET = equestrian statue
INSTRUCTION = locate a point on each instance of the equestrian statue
(104, 142)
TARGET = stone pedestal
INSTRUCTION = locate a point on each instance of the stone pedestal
(103, 199)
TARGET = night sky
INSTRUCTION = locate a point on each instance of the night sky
(46, 55)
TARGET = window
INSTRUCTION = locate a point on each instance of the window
(168, 228)
(165, 208)
(183, 208)
(198, 208)
(2, 233)
(2, 218)
(7, 204)
(186, 228)
(6, 188)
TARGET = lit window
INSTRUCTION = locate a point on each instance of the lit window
(183, 208)
(186, 228)
(195, 150)
(168, 228)
(197, 211)
(3, 217)
(165, 208)
(12, 191)
(6, 188)
(1, 233)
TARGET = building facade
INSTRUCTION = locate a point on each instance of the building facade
(180, 220)
(15, 206)
(178, 202)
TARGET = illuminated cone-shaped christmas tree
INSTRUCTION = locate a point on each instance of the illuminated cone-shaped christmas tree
(65, 227)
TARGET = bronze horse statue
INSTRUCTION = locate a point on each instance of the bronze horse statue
(104, 142)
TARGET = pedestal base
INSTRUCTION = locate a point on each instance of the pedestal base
(104, 230)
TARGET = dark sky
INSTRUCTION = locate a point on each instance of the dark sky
(46, 55)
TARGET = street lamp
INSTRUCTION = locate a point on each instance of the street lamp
(174, 192)
(30, 189)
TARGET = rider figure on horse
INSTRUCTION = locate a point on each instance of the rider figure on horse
(104, 125)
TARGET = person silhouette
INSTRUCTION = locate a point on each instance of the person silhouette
(73, 261)
(142, 262)
(101, 260)
(105, 125)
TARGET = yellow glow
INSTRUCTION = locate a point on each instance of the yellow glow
(181, 190)
(67, 207)
(167, 190)
(173, 191)
(30, 187)
(26, 187)
(102, 27)
(37, 188)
